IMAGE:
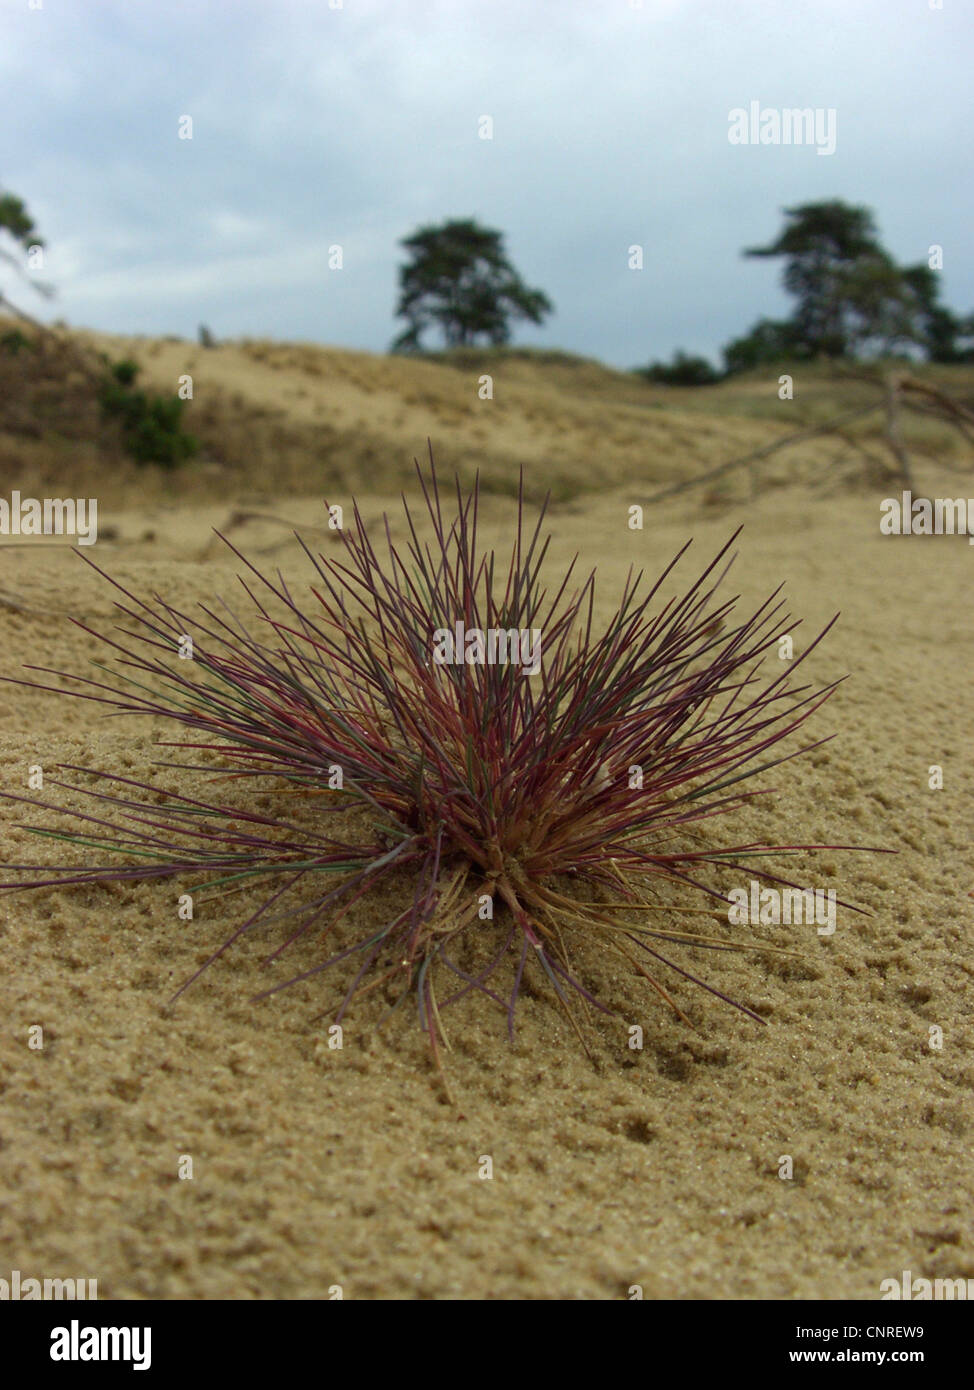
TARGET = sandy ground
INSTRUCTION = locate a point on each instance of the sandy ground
(314, 1168)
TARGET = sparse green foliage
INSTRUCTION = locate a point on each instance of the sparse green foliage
(684, 370)
(125, 372)
(151, 424)
(769, 341)
(14, 341)
(15, 219)
(946, 337)
(17, 225)
(460, 281)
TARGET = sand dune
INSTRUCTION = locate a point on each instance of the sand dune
(660, 1168)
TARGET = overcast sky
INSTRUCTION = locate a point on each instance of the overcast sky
(315, 126)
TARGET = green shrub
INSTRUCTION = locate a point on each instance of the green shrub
(13, 341)
(682, 371)
(151, 424)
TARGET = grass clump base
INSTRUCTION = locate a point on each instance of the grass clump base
(540, 808)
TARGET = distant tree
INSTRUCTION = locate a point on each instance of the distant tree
(946, 337)
(459, 280)
(17, 226)
(852, 297)
(821, 242)
(962, 328)
(684, 370)
(891, 308)
(881, 311)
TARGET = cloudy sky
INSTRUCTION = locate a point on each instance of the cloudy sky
(319, 123)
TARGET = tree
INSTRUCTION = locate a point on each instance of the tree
(882, 310)
(853, 299)
(18, 225)
(821, 243)
(941, 329)
(460, 280)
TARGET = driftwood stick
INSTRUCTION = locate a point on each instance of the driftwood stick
(857, 447)
(891, 431)
(938, 403)
(947, 403)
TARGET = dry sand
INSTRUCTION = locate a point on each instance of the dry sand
(314, 1168)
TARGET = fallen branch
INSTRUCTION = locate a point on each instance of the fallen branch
(828, 428)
